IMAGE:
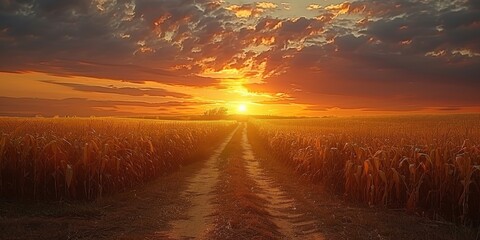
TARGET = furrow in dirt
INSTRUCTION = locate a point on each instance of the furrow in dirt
(282, 209)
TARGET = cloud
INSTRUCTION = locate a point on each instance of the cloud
(81, 107)
(383, 64)
(314, 7)
(286, 6)
(450, 109)
(342, 8)
(267, 5)
(251, 10)
(127, 40)
(130, 91)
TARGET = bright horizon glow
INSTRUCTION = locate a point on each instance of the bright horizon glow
(242, 108)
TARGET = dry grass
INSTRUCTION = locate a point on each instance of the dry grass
(429, 165)
(58, 159)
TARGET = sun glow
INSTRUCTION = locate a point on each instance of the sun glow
(242, 108)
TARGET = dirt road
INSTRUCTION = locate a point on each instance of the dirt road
(239, 192)
(200, 189)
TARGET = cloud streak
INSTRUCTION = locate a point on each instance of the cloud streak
(82, 107)
(129, 91)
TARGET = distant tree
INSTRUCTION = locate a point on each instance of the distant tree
(216, 113)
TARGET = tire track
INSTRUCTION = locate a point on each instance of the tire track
(292, 223)
(200, 193)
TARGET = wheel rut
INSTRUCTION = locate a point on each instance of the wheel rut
(198, 221)
(291, 223)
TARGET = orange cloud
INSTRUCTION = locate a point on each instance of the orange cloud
(314, 7)
(266, 5)
(83, 107)
(245, 11)
(250, 10)
(130, 91)
(338, 9)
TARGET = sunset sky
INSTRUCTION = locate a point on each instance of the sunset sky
(176, 57)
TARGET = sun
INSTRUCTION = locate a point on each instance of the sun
(242, 108)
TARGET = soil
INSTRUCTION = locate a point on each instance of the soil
(239, 192)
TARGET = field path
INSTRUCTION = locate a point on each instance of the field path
(278, 210)
(200, 193)
(291, 223)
